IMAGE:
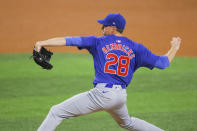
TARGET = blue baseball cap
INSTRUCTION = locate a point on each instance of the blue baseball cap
(113, 19)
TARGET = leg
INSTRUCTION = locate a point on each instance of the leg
(123, 119)
(75, 106)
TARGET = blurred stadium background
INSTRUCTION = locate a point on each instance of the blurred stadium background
(151, 22)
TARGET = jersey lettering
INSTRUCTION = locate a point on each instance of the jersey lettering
(125, 49)
(108, 47)
(112, 46)
(129, 52)
(104, 50)
(119, 46)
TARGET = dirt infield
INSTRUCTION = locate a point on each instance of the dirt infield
(151, 22)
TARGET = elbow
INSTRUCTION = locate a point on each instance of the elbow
(162, 62)
(164, 66)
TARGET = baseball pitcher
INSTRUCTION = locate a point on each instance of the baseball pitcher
(116, 58)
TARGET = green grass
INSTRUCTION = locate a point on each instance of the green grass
(166, 98)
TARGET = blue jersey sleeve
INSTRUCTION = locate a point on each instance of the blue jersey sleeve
(145, 58)
(162, 62)
(81, 42)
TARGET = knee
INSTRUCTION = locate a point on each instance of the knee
(55, 110)
(127, 124)
(58, 111)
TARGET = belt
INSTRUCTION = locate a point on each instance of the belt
(109, 85)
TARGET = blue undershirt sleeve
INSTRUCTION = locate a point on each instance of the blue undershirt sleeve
(162, 62)
(73, 41)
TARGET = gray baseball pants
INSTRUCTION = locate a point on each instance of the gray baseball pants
(111, 100)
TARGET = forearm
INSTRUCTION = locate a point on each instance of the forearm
(171, 53)
(51, 42)
(164, 61)
(175, 45)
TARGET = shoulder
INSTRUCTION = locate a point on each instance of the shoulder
(138, 48)
(88, 38)
(135, 45)
(102, 37)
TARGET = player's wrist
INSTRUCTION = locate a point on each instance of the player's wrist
(38, 46)
(175, 47)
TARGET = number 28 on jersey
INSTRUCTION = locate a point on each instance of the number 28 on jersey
(122, 64)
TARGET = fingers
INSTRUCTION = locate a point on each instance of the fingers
(176, 39)
(175, 42)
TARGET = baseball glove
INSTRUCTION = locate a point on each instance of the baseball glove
(42, 58)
